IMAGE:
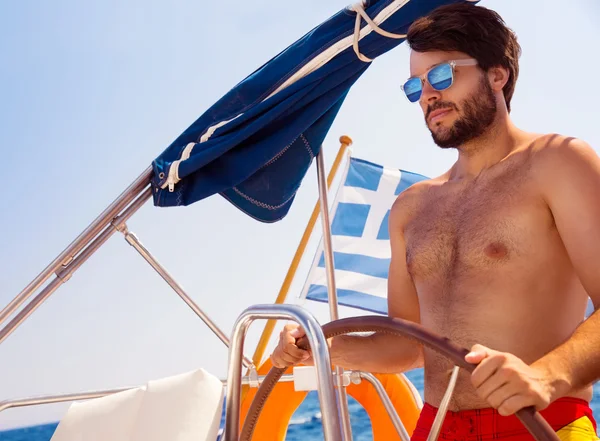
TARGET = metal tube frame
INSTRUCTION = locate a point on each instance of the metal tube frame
(52, 399)
(436, 427)
(65, 273)
(387, 403)
(320, 350)
(79, 243)
(86, 245)
(132, 239)
(88, 395)
(331, 289)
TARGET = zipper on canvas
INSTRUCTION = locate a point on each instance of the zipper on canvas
(173, 177)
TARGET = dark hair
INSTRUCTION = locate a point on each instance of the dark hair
(477, 31)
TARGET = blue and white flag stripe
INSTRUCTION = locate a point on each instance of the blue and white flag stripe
(360, 237)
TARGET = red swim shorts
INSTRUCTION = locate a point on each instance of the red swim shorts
(571, 418)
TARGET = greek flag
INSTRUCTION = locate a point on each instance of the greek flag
(360, 237)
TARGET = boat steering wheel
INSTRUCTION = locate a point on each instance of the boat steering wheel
(532, 420)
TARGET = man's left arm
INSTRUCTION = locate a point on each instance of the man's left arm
(570, 178)
(569, 175)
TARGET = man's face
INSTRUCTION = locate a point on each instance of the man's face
(463, 111)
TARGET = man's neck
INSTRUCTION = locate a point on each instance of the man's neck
(501, 138)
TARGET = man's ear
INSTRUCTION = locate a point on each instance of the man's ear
(498, 77)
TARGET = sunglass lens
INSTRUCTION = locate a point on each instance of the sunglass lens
(412, 89)
(440, 77)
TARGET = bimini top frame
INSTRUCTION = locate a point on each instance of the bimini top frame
(114, 218)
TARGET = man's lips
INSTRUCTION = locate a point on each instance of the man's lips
(436, 114)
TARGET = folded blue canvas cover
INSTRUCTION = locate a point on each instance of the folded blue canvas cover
(255, 146)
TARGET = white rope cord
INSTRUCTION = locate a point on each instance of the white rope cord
(360, 13)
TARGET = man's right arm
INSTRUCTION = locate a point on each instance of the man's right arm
(379, 353)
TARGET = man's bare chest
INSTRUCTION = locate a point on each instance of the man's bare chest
(456, 230)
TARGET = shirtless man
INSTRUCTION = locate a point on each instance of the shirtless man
(499, 254)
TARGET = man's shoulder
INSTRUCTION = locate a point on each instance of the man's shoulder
(407, 201)
(555, 153)
(414, 192)
(553, 146)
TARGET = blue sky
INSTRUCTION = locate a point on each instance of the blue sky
(91, 92)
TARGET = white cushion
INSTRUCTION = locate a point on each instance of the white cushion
(184, 407)
(108, 418)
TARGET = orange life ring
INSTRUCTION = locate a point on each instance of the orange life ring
(274, 420)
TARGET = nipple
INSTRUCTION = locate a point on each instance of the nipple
(496, 250)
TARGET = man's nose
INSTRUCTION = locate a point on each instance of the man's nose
(429, 94)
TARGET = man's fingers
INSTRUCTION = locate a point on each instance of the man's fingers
(280, 360)
(475, 357)
(287, 353)
(486, 369)
(492, 384)
(513, 404)
(297, 332)
(293, 330)
(501, 394)
(288, 359)
(294, 352)
(284, 359)
(477, 354)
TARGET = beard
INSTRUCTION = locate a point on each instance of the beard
(479, 111)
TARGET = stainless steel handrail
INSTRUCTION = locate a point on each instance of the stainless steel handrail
(436, 427)
(331, 289)
(118, 222)
(132, 239)
(318, 344)
(387, 403)
(67, 271)
(88, 395)
(80, 242)
(52, 399)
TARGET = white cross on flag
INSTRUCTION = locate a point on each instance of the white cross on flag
(360, 237)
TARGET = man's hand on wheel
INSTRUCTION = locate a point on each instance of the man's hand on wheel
(506, 382)
(287, 353)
